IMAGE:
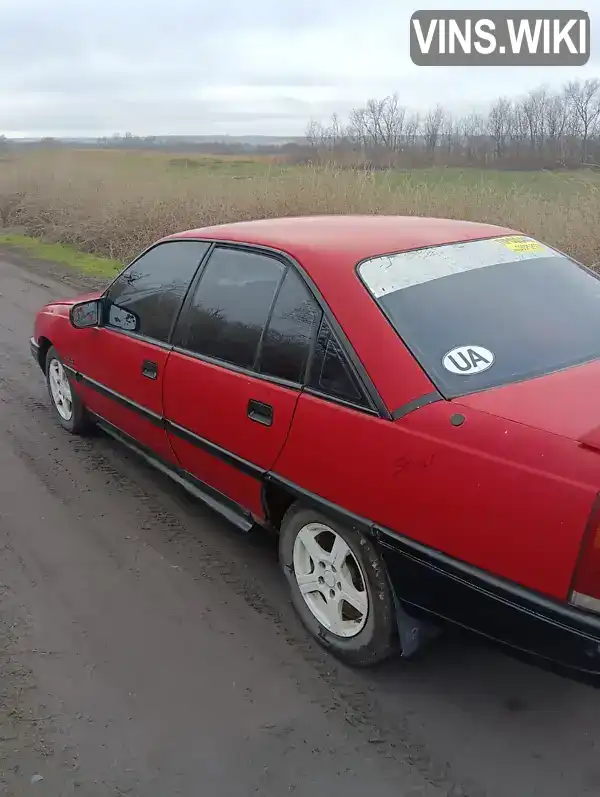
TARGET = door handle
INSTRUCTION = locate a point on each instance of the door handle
(259, 412)
(149, 369)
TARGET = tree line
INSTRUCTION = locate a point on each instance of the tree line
(542, 129)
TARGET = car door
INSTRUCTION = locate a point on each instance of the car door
(121, 364)
(232, 382)
(338, 410)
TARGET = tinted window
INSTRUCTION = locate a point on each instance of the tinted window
(293, 324)
(231, 305)
(151, 290)
(487, 313)
(331, 372)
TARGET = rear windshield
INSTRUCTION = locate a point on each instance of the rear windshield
(485, 313)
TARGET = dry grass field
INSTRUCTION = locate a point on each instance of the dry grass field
(115, 203)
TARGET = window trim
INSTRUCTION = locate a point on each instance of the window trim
(303, 381)
(136, 336)
(238, 369)
(375, 405)
(165, 344)
(311, 391)
(201, 265)
(333, 346)
(261, 340)
(179, 341)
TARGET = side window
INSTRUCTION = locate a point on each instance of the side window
(147, 296)
(292, 327)
(231, 305)
(330, 371)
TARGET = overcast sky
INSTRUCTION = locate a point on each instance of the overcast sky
(95, 67)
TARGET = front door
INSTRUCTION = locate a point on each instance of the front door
(122, 363)
(233, 380)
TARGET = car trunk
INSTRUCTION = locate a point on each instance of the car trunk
(565, 403)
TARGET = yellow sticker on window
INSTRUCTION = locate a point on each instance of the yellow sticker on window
(519, 243)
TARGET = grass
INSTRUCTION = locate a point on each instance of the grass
(62, 253)
(543, 184)
(113, 204)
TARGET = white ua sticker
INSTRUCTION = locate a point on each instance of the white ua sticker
(468, 360)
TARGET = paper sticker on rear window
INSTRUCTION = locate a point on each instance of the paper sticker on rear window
(385, 274)
(519, 243)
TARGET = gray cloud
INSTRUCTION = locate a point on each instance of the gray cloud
(187, 66)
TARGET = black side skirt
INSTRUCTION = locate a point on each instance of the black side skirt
(217, 501)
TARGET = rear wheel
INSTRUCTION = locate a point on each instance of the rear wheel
(67, 405)
(339, 587)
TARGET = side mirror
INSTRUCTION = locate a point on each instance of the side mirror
(85, 314)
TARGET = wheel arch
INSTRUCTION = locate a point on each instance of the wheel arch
(45, 344)
(413, 632)
(277, 501)
(278, 498)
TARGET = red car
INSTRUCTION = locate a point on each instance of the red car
(413, 404)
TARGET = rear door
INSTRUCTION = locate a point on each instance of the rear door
(122, 363)
(232, 382)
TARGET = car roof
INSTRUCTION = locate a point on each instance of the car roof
(349, 237)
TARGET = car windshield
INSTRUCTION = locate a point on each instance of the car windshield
(489, 312)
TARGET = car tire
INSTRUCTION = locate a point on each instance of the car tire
(68, 407)
(360, 632)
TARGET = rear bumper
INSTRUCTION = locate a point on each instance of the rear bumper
(438, 587)
(35, 350)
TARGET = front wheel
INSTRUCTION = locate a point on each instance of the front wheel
(339, 587)
(67, 405)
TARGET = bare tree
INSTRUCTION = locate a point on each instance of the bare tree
(335, 133)
(432, 127)
(585, 105)
(449, 134)
(533, 107)
(375, 112)
(412, 129)
(358, 128)
(392, 123)
(472, 136)
(315, 134)
(519, 129)
(544, 127)
(556, 112)
(498, 125)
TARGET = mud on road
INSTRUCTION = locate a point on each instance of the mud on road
(148, 648)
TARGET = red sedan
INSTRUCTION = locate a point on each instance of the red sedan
(412, 404)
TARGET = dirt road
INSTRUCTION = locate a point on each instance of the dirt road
(147, 648)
